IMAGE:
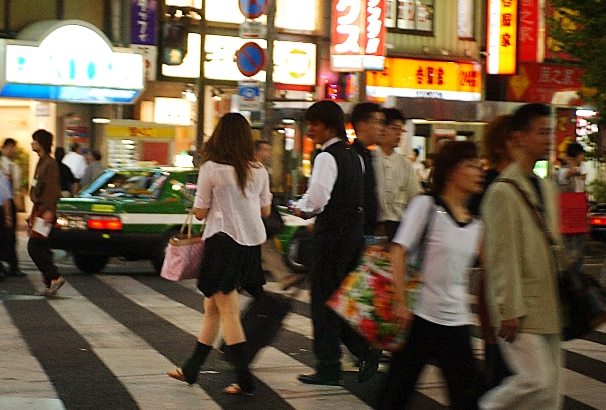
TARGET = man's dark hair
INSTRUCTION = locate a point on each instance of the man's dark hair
(525, 115)
(44, 138)
(259, 143)
(75, 147)
(96, 154)
(574, 149)
(363, 112)
(447, 159)
(330, 114)
(416, 151)
(9, 142)
(392, 115)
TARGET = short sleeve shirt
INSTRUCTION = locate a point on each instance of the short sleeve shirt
(450, 250)
(5, 189)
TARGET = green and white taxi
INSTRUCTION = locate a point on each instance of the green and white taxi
(127, 213)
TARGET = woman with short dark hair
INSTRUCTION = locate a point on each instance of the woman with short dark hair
(439, 233)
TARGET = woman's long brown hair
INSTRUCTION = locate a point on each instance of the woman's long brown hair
(231, 143)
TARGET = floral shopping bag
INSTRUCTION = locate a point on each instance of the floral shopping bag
(366, 300)
(184, 254)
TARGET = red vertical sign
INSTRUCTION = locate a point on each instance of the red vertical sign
(358, 35)
(528, 32)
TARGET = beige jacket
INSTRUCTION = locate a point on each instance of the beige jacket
(521, 273)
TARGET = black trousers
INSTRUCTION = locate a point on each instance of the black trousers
(39, 251)
(336, 253)
(8, 241)
(450, 347)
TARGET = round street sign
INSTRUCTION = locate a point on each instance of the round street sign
(250, 59)
(252, 9)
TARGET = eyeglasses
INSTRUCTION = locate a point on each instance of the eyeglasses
(397, 128)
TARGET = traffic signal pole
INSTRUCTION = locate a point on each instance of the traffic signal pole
(201, 81)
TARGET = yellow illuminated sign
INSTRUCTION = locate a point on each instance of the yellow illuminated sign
(502, 36)
(124, 131)
(427, 78)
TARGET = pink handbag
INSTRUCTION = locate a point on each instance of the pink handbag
(184, 254)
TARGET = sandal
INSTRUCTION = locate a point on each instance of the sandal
(235, 388)
(178, 375)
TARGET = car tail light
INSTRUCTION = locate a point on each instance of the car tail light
(104, 223)
(598, 220)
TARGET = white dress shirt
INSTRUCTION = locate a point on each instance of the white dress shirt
(76, 163)
(397, 183)
(323, 177)
(5, 190)
(230, 211)
(8, 167)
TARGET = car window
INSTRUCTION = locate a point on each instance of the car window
(128, 184)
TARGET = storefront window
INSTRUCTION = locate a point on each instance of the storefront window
(410, 15)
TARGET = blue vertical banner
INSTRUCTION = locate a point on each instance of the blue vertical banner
(144, 14)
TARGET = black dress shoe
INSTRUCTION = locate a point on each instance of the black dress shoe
(369, 365)
(315, 378)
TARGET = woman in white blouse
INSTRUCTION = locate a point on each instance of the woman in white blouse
(440, 321)
(233, 194)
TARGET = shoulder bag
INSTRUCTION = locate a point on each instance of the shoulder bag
(184, 253)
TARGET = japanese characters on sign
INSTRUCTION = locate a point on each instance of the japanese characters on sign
(530, 25)
(143, 24)
(502, 36)
(539, 82)
(427, 78)
(358, 35)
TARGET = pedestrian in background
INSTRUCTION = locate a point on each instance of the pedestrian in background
(396, 180)
(6, 219)
(440, 323)
(335, 198)
(521, 272)
(75, 161)
(571, 178)
(45, 192)
(368, 122)
(498, 150)
(13, 173)
(94, 168)
(69, 184)
(232, 195)
(417, 164)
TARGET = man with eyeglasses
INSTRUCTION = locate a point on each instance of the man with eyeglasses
(396, 178)
(368, 121)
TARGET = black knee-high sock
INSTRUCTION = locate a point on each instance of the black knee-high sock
(191, 368)
(237, 354)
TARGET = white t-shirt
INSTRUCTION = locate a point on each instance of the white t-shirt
(230, 211)
(76, 163)
(450, 251)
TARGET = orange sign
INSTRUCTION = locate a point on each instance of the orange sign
(502, 36)
(405, 77)
(358, 35)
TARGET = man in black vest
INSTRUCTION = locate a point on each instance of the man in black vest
(334, 196)
(368, 121)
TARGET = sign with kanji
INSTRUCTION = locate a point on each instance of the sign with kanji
(405, 77)
(143, 22)
(539, 82)
(358, 35)
(502, 38)
(250, 59)
(529, 32)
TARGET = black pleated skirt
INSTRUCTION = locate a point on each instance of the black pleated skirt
(227, 265)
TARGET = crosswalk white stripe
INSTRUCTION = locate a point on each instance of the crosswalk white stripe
(128, 356)
(24, 382)
(584, 389)
(280, 375)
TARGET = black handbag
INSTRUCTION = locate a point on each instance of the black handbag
(274, 222)
(582, 297)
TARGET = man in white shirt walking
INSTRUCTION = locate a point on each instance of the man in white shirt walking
(75, 161)
(396, 179)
